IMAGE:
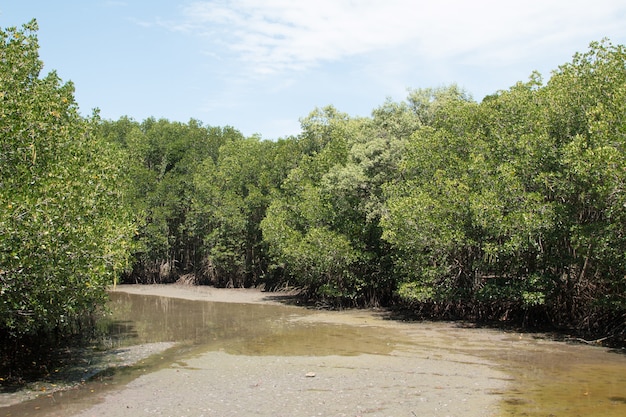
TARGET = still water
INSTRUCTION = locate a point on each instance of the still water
(547, 378)
(246, 329)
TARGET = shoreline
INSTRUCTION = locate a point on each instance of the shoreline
(208, 293)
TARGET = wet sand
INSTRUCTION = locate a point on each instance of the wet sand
(409, 381)
(219, 384)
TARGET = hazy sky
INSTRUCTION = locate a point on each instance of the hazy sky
(261, 65)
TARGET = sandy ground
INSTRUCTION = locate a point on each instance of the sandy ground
(403, 383)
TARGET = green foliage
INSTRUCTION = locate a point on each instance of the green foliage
(586, 116)
(231, 198)
(518, 199)
(65, 232)
(323, 226)
(163, 160)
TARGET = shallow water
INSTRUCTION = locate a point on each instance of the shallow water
(557, 379)
(547, 378)
(246, 329)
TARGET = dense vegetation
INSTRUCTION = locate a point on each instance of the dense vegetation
(65, 227)
(513, 208)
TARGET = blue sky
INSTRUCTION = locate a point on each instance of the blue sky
(261, 65)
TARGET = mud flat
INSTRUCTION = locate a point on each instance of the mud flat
(221, 384)
(244, 353)
(420, 380)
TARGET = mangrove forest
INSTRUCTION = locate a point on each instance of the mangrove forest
(511, 209)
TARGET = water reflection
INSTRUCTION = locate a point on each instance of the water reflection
(247, 329)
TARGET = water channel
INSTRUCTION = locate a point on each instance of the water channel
(525, 374)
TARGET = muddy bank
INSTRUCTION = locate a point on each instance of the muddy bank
(206, 293)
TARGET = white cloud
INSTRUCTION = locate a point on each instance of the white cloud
(115, 3)
(277, 35)
(268, 62)
(273, 36)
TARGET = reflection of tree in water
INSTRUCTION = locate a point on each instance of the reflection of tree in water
(163, 319)
(251, 329)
